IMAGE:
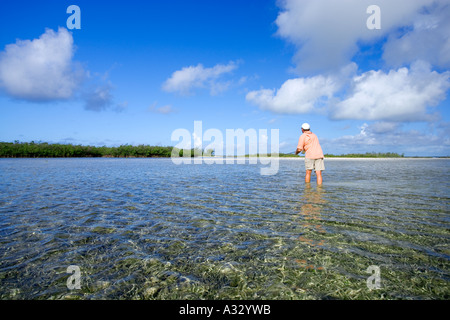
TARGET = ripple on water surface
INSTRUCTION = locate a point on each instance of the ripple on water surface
(149, 229)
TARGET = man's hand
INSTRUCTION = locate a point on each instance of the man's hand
(298, 151)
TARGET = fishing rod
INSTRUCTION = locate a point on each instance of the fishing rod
(292, 153)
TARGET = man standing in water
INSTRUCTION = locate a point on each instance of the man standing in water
(309, 143)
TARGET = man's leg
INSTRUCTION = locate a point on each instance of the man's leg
(308, 176)
(319, 177)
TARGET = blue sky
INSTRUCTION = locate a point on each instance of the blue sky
(138, 70)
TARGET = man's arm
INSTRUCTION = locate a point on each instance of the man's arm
(299, 145)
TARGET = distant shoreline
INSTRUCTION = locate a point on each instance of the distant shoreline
(45, 150)
(234, 158)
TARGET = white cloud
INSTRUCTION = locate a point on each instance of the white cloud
(300, 95)
(40, 69)
(195, 77)
(428, 39)
(43, 70)
(405, 94)
(399, 95)
(328, 33)
(392, 137)
(381, 127)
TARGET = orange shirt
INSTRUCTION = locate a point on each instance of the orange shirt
(309, 142)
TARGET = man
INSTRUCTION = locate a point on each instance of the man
(309, 143)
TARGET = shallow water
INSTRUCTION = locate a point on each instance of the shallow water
(150, 229)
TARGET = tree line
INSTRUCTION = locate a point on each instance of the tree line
(369, 155)
(47, 150)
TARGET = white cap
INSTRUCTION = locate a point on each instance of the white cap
(306, 126)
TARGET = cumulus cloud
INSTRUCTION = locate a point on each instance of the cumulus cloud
(41, 69)
(194, 77)
(379, 127)
(399, 95)
(428, 39)
(404, 94)
(392, 136)
(303, 94)
(300, 95)
(327, 33)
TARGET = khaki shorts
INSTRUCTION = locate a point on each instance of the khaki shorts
(314, 164)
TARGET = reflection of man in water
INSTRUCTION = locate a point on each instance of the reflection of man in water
(310, 211)
(309, 143)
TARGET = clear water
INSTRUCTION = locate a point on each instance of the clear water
(149, 229)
